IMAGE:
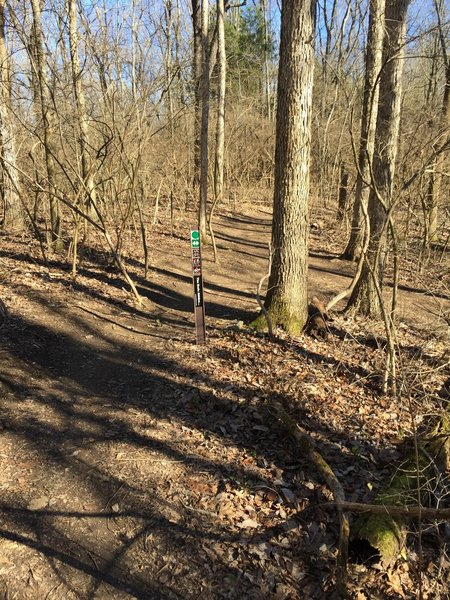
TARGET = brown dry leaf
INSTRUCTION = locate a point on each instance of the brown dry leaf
(226, 509)
(202, 487)
(268, 495)
(248, 524)
(395, 583)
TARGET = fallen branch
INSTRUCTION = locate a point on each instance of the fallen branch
(308, 448)
(411, 512)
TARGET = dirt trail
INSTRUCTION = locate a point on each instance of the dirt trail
(112, 431)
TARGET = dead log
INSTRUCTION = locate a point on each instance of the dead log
(384, 531)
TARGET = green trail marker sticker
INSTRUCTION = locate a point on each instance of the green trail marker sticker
(197, 277)
(195, 238)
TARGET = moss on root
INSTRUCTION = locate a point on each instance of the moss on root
(259, 324)
(281, 317)
(386, 534)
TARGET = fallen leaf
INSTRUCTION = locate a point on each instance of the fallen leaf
(248, 524)
(38, 503)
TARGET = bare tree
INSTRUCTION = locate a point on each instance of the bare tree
(368, 124)
(434, 184)
(44, 102)
(10, 185)
(366, 297)
(90, 203)
(220, 125)
(197, 80)
(266, 66)
(203, 203)
(168, 26)
(286, 300)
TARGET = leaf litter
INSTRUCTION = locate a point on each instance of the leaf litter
(202, 493)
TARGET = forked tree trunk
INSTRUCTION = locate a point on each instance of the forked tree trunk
(13, 212)
(90, 203)
(368, 124)
(366, 295)
(286, 300)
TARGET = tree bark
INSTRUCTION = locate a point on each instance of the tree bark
(286, 300)
(365, 297)
(90, 195)
(197, 77)
(204, 163)
(168, 68)
(434, 184)
(342, 195)
(368, 124)
(220, 126)
(45, 110)
(267, 106)
(13, 212)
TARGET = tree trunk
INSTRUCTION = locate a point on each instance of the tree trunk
(366, 295)
(197, 77)
(267, 106)
(168, 68)
(368, 125)
(202, 209)
(45, 109)
(13, 212)
(434, 185)
(342, 197)
(90, 203)
(220, 127)
(286, 300)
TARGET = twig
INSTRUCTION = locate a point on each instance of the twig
(199, 510)
(260, 302)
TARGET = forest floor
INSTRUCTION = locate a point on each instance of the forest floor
(135, 464)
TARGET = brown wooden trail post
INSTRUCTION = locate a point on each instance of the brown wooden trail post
(199, 304)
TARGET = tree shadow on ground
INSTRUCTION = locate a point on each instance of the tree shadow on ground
(162, 296)
(69, 398)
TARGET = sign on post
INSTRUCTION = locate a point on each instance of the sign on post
(199, 304)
